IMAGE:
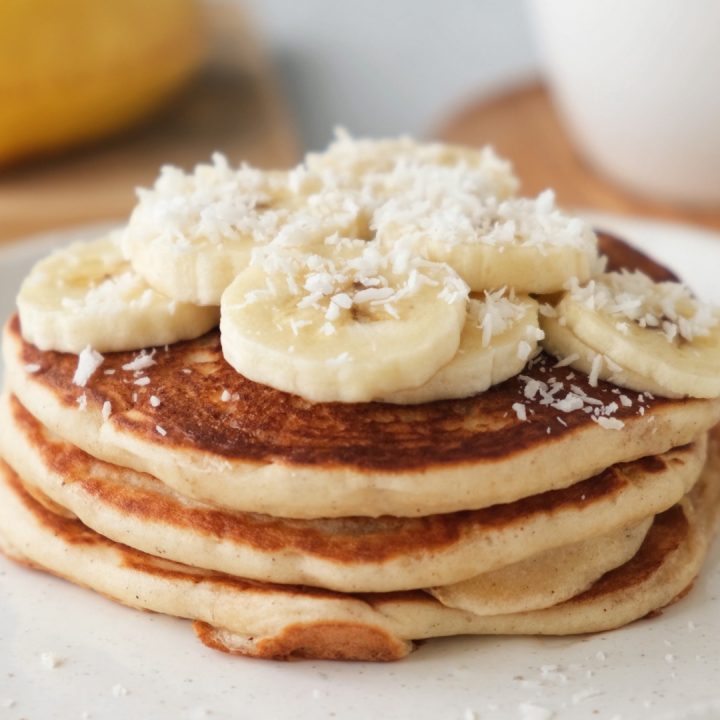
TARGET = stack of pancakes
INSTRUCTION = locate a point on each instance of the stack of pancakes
(348, 531)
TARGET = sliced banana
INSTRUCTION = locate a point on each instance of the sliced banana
(384, 167)
(191, 234)
(569, 349)
(521, 243)
(657, 331)
(499, 337)
(88, 294)
(348, 328)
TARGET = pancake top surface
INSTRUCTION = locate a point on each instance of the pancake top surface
(262, 424)
(195, 423)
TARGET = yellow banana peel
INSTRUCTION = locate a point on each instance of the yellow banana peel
(72, 71)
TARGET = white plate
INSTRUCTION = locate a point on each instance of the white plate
(118, 663)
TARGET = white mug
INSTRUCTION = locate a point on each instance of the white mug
(637, 83)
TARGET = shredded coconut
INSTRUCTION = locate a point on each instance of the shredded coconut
(160, 430)
(569, 397)
(140, 362)
(609, 423)
(219, 204)
(495, 312)
(523, 350)
(154, 401)
(520, 411)
(362, 283)
(89, 361)
(32, 368)
(50, 660)
(595, 370)
(569, 360)
(441, 215)
(668, 307)
(106, 410)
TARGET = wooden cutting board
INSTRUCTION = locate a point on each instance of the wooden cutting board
(523, 126)
(233, 106)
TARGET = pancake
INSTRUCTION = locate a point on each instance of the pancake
(354, 554)
(268, 452)
(546, 579)
(276, 621)
(621, 255)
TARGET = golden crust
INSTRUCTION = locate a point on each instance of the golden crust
(348, 554)
(264, 425)
(374, 626)
(316, 641)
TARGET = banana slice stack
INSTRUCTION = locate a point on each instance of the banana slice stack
(377, 270)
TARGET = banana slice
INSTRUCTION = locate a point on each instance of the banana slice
(384, 167)
(569, 350)
(191, 235)
(499, 337)
(657, 331)
(346, 328)
(87, 294)
(520, 243)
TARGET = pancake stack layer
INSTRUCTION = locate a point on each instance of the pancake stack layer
(563, 496)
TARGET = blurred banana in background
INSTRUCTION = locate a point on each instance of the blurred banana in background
(72, 71)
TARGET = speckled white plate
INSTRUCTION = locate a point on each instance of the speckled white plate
(116, 663)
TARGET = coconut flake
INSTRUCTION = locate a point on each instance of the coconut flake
(50, 660)
(609, 423)
(633, 297)
(523, 350)
(89, 361)
(140, 362)
(595, 370)
(520, 411)
(569, 360)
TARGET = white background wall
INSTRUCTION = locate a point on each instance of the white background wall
(391, 66)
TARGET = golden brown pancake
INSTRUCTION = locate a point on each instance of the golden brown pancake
(269, 452)
(621, 255)
(354, 554)
(266, 620)
(546, 578)
(266, 451)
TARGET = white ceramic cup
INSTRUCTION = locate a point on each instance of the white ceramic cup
(637, 83)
